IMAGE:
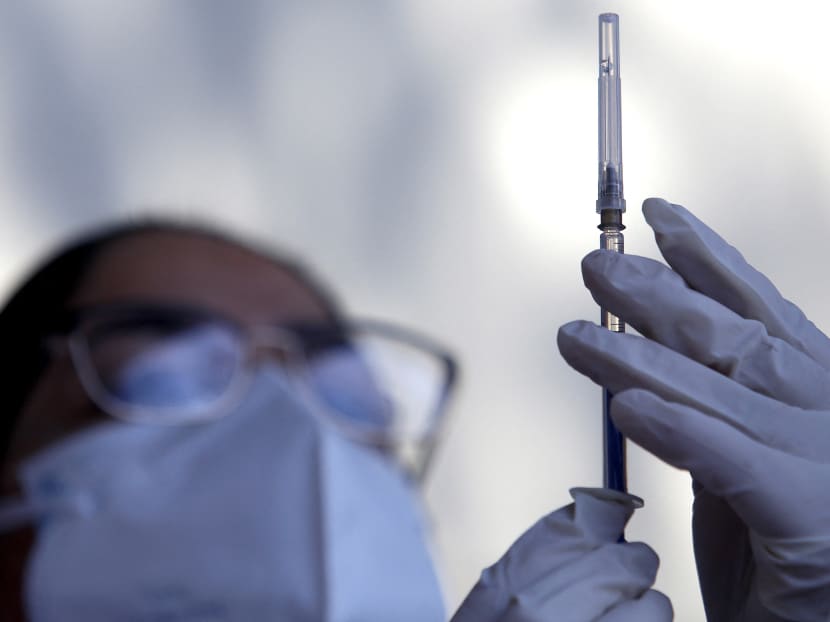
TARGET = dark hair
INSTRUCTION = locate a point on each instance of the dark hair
(40, 301)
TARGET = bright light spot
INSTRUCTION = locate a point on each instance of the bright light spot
(539, 128)
(539, 132)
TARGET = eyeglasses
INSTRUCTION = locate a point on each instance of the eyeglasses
(169, 365)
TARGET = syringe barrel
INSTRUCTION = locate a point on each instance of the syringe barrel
(610, 187)
(613, 443)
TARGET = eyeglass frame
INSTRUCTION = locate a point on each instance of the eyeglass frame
(72, 326)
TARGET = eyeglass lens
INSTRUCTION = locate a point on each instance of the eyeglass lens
(166, 364)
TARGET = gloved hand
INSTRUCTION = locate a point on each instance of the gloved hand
(732, 383)
(569, 567)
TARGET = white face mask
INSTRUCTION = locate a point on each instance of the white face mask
(265, 514)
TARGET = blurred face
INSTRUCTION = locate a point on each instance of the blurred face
(167, 268)
(332, 486)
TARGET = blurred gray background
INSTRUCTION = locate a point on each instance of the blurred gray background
(436, 162)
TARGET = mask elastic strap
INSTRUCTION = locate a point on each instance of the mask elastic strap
(15, 513)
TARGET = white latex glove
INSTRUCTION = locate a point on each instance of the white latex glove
(570, 567)
(732, 383)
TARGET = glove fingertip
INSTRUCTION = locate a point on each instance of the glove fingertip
(593, 264)
(570, 335)
(627, 404)
(644, 559)
(655, 203)
(595, 255)
(666, 429)
(666, 217)
(654, 208)
(644, 417)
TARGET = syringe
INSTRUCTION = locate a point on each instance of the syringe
(610, 206)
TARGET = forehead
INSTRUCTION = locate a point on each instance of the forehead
(192, 269)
